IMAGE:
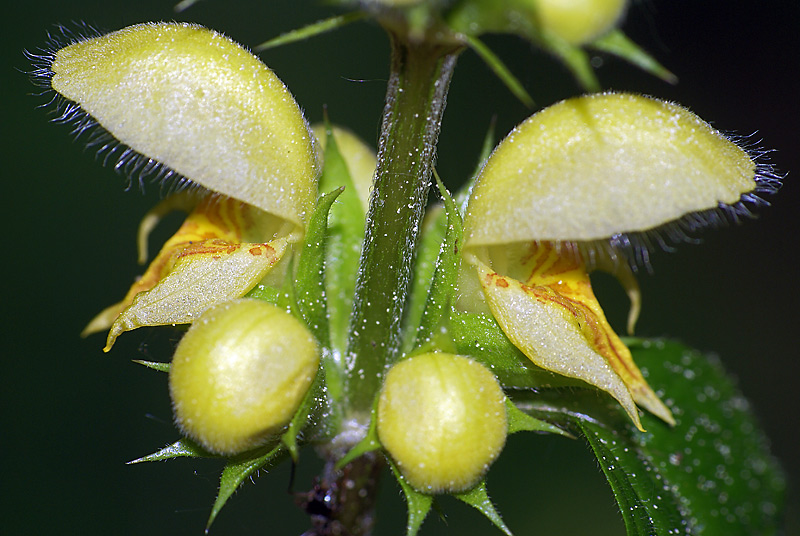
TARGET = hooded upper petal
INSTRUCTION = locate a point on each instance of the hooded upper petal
(198, 103)
(589, 169)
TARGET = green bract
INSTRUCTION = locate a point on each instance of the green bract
(200, 104)
(442, 418)
(240, 373)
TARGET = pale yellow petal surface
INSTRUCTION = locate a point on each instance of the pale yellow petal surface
(551, 332)
(213, 218)
(200, 104)
(205, 274)
(592, 167)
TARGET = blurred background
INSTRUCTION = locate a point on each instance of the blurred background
(72, 416)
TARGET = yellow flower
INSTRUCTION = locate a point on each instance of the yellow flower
(557, 197)
(192, 102)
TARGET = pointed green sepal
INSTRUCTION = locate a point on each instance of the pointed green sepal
(183, 448)
(479, 499)
(369, 443)
(155, 365)
(238, 469)
(419, 504)
(500, 70)
(436, 314)
(519, 421)
(312, 30)
(575, 59)
(345, 236)
(301, 418)
(618, 44)
(310, 283)
(265, 293)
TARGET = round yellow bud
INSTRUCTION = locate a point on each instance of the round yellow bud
(579, 21)
(442, 418)
(240, 373)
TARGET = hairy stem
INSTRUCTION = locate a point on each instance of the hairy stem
(415, 102)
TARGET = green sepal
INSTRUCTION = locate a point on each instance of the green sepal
(500, 70)
(266, 293)
(419, 504)
(479, 336)
(618, 44)
(183, 448)
(369, 443)
(575, 58)
(310, 282)
(519, 421)
(314, 395)
(477, 498)
(345, 237)
(311, 30)
(436, 313)
(240, 468)
(155, 365)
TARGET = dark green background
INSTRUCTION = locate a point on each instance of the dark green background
(72, 416)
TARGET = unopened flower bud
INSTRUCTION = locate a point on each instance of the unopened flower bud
(240, 373)
(442, 418)
(579, 21)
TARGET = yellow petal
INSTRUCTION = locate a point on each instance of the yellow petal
(593, 167)
(200, 104)
(556, 321)
(214, 218)
(205, 274)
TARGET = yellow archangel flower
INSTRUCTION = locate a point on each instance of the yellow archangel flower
(200, 106)
(559, 196)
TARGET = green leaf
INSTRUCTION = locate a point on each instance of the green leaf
(238, 469)
(646, 506)
(479, 499)
(519, 421)
(183, 448)
(344, 241)
(419, 504)
(309, 282)
(499, 68)
(716, 459)
(710, 474)
(155, 365)
(312, 30)
(617, 43)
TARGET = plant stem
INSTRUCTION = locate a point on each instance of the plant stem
(415, 102)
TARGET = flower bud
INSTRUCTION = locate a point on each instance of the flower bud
(240, 373)
(442, 418)
(578, 21)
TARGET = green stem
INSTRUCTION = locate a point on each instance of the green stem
(415, 102)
